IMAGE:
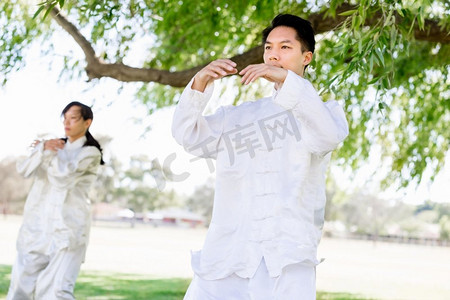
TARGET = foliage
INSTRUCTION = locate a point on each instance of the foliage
(136, 187)
(202, 200)
(365, 214)
(437, 213)
(13, 187)
(18, 30)
(96, 285)
(444, 224)
(395, 87)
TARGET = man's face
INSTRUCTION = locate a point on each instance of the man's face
(282, 49)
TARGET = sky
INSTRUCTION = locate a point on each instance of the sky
(32, 100)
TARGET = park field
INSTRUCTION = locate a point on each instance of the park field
(155, 261)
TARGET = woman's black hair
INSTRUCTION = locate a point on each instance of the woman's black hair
(86, 113)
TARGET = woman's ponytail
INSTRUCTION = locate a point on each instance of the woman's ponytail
(90, 141)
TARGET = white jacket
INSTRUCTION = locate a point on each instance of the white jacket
(57, 210)
(271, 157)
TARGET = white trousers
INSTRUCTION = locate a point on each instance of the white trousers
(42, 277)
(296, 282)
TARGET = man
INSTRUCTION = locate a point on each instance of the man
(271, 160)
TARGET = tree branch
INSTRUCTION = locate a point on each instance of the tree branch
(85, 45)
(97, 68)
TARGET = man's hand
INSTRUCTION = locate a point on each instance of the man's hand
(215, 70)
(272, 73)
(54, 144)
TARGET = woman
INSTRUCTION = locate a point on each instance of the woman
(54, 235)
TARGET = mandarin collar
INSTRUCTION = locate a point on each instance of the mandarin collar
(276, 91)
(76, 144)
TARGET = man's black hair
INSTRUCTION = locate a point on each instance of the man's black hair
(305, 32)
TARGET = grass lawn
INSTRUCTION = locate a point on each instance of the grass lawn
(110, 286)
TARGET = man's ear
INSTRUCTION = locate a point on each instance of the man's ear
(308, 58)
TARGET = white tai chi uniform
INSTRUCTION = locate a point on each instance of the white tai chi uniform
(53, 238)
(271, 157)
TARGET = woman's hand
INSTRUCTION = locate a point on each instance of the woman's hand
(54, 144)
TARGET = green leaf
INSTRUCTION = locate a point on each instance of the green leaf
(49, 9)
(388, 20)
(38, 11)
(412, 26)
(360, 45)
(348, 12)
(386, 83)
(420, 18)
(371, 62)
(393, 37)
(373, 81)
(359, 21)
(380, 56)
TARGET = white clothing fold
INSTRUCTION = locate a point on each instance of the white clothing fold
(296, 282)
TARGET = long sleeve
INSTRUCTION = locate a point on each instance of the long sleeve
(198, 134)
(323, 125)
(39, 158)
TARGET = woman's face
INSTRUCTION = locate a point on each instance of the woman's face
(74, 125)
